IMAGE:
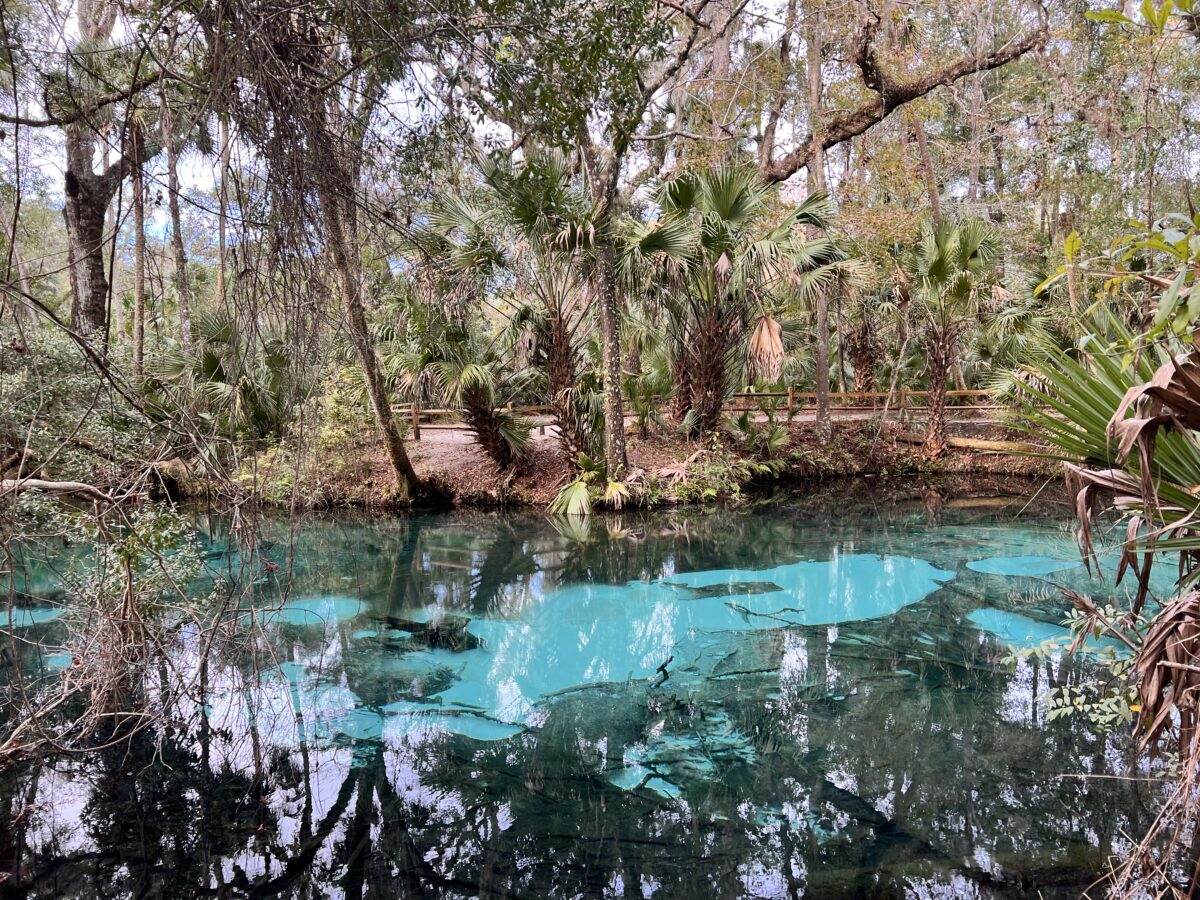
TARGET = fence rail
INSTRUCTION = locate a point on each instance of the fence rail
(899, 402)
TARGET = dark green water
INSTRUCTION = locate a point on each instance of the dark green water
(804, 696)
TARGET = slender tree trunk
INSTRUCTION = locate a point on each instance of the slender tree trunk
(610, 351)
(139, 270)
(816, 182)
(841, 348)
(343, 247)
(117, 304)
(766, 150)
(939, 347)
(719, 81)
(824, 421)
(602, 179)
(223, 207)
(976, 112)
(931, 186)
(406, 476)
(182, 286)
(960, 380)
(22, 309)
(999, 181)
(1055, 203)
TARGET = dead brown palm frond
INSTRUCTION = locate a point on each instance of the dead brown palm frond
(1001, 294)
(1169, 681)
(677, 473)
(764, 354)
(1087, 484)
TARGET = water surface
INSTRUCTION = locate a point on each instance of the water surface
(805, 695)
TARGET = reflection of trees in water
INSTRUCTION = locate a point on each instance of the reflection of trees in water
(909, 777)
(830, 760)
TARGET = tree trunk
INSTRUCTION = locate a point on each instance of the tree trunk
(708, 375)
(603, 183)
(719, 80)
(480, 418)
(222, 207)
(87, 194)
(139, 270)
(562, 378)
(975, 113)
(931, 186)
(863, 349)
(940, 352)
(182, 287)
(610, 348)
(840, 327)
(85, 204)
(816, 182)
(345, 251)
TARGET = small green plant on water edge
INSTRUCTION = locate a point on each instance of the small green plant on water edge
(1107, 700)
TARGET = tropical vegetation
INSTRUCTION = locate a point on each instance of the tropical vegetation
(627, 252)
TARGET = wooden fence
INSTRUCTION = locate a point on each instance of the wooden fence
(846, 401)
(789, 402)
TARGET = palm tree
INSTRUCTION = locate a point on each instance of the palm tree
(949, 274)
(727, 257)
(548, 218)
(235, 384)
(447, 360)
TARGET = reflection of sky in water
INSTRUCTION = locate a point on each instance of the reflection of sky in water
(1021, 565)
(588, 634)
(833, 686)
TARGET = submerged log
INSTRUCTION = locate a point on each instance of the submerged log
(442, 633)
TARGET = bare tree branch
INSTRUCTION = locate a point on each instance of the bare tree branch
(87, 110)
(890, 93)
(78, 488)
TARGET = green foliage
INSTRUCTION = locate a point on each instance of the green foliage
(1070, 399)
(1108, 699)
(724, 251)
(762, 440)
(54, 404)
(574, 499)
(236, 386)
(447, 360)
(559, 63)
(720, 473)
(321, 460)
(138, 569)
(951, 266)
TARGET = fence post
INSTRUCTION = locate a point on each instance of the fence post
(791, 399)
(416, 421)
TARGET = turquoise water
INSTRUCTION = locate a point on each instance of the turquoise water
(811, 694)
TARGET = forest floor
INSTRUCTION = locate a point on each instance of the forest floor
(669, 468)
